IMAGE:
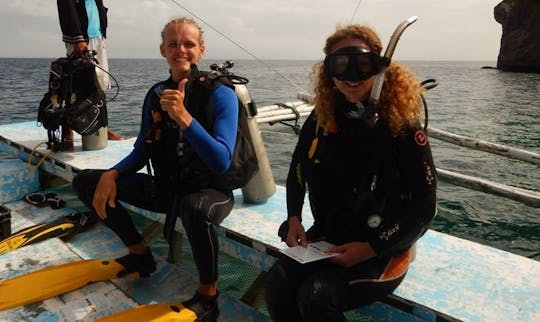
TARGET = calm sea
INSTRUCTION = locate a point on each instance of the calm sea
(498, 107)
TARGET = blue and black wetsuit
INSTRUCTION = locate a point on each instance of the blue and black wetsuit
(208, 141)
(364, 185)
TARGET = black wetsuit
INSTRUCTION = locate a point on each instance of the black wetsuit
(364, 185)
(197, 203)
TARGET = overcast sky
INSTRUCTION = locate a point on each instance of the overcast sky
(271, 29)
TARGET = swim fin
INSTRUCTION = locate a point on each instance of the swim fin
(62, 227)
(52, 281)
(154, 312)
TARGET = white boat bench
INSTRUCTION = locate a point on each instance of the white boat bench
(455, 278)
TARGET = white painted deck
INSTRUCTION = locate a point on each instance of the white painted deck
(460, 278)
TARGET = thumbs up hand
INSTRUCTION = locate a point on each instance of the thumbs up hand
(172, 102)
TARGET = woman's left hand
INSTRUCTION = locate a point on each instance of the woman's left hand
(352, 253)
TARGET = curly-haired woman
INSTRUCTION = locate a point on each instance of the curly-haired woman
(371, 183)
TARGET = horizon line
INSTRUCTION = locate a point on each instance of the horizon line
(266, 59)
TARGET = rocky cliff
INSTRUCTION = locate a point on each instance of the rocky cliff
(520, 41)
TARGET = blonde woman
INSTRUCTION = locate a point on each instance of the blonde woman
(188, 131)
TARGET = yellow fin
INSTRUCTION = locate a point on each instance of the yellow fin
(35, 233)
(172, 312)
(61, 227)
(55, 280)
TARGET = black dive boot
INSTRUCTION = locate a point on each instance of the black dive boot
(144, 264)
(206, 307)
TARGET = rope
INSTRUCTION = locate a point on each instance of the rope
(45, 156)
(356, 10)
(240, 46)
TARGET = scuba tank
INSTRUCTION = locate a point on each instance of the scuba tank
(262, 185)
(96, 141)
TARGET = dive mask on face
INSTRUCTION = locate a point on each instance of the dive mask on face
(354, 64)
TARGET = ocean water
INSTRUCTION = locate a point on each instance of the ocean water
(487, 104)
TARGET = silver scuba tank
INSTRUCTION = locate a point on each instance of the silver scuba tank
(262, 185)
(96, 141)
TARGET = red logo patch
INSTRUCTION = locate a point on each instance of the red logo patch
(420, 138)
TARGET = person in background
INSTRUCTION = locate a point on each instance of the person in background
(188, 133)
(84, 27)
(371, 183)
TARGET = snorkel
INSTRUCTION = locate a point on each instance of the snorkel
(371, 116)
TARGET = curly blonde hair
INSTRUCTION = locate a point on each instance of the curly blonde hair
(399, 104)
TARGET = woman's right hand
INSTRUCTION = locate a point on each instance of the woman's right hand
(105, 193)
(296, 235)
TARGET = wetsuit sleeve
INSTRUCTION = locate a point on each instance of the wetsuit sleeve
(296, 179)
(70, 22)
(216, 150)
(411, 215)
(138, 157)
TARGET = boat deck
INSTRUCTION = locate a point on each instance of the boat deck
(450, 279)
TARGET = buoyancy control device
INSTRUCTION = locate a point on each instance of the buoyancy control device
(262, 185)
(74, 99)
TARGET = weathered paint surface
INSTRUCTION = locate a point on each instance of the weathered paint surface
(463, 279)
(168, 284)
(473, 282)
(17, 179)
